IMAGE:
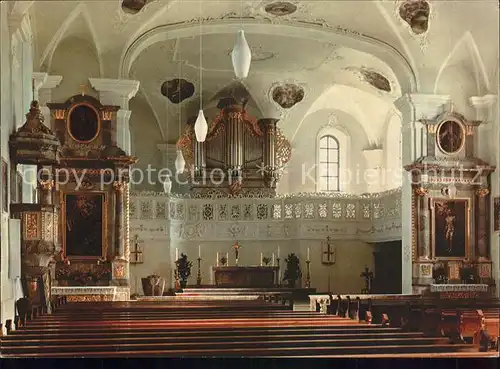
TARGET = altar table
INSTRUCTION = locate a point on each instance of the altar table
(93, 294)
(245, 276)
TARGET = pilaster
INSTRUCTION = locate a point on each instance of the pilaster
(374, 176)
(118, 92)
(413, 107)
(487, 111)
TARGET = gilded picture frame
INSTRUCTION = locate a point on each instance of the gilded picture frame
(450, 136)
(450, 228)
(70, 126)
(84, 224)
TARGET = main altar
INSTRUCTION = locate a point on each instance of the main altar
(246, 276)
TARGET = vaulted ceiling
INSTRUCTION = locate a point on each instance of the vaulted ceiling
(356, 56)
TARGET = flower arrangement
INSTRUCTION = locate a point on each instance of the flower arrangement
(223, 261)
(266, 260)
(183, 269)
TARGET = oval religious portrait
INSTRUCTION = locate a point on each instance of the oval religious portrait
(83, 123)
(450, 137)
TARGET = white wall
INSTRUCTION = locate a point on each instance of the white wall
(15, 96)
(304, 153)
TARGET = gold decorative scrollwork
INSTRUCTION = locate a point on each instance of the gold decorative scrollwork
(283, 147)
(431, 128)
(482, 192)
(31, 230)
(60, 113)
(46, 185)
(421, 191)
(107, 115)
(118, 186)
(469, 130)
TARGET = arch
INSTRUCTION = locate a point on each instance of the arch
(79, 11)
(341, 141)
(466, 50)
(385, 52)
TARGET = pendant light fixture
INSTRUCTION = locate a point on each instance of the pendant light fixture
(201, 125)
(180, 163)
(241, 56)
(167, 182)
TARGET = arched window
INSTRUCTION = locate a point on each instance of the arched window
(329, 162)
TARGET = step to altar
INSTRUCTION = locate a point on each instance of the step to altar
(182, 297)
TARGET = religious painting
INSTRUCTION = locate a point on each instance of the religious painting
(450, 228)
(5, 186)
(496, 214)
(328, 252)
(84, 219)
(450, 137)
(83, 123)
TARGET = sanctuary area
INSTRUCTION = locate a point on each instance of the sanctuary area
(249, 178)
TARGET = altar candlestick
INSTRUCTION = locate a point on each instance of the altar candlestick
(261, 259)
(211, 276)
(176, 254)
(217, 261)
(308, 253)
(199, 251)
(273, 258)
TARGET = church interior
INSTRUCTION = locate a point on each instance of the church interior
(249, 178)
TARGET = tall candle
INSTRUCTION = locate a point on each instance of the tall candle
(176, 254)
(278, 252)
(217, 261)
(273, 258)
(227, 258)
(308, 253)
(199, 251)
(261, 259)
(212, 276)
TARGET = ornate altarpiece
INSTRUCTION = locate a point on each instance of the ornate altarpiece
(92, 193)
(450, 206)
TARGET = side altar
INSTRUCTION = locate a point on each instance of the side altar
(246, 276)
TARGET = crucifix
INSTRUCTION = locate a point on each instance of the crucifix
(83, 88)
(368, 276)
(329, 253)
(328, 258)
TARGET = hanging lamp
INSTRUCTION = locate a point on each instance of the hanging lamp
(241, 56)
(180, 163)
(201, 125)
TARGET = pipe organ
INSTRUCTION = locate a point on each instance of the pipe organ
(241, 154)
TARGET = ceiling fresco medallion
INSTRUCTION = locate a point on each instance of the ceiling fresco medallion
(177, 90)
(133, 6)
(287, 95)
(258, 54)
(376, 79)
(416, 14)
(280, 8)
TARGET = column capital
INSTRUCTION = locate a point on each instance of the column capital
(485, 106)
(21, 22)
(124, 88)
(45, 81)
(421, 106)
